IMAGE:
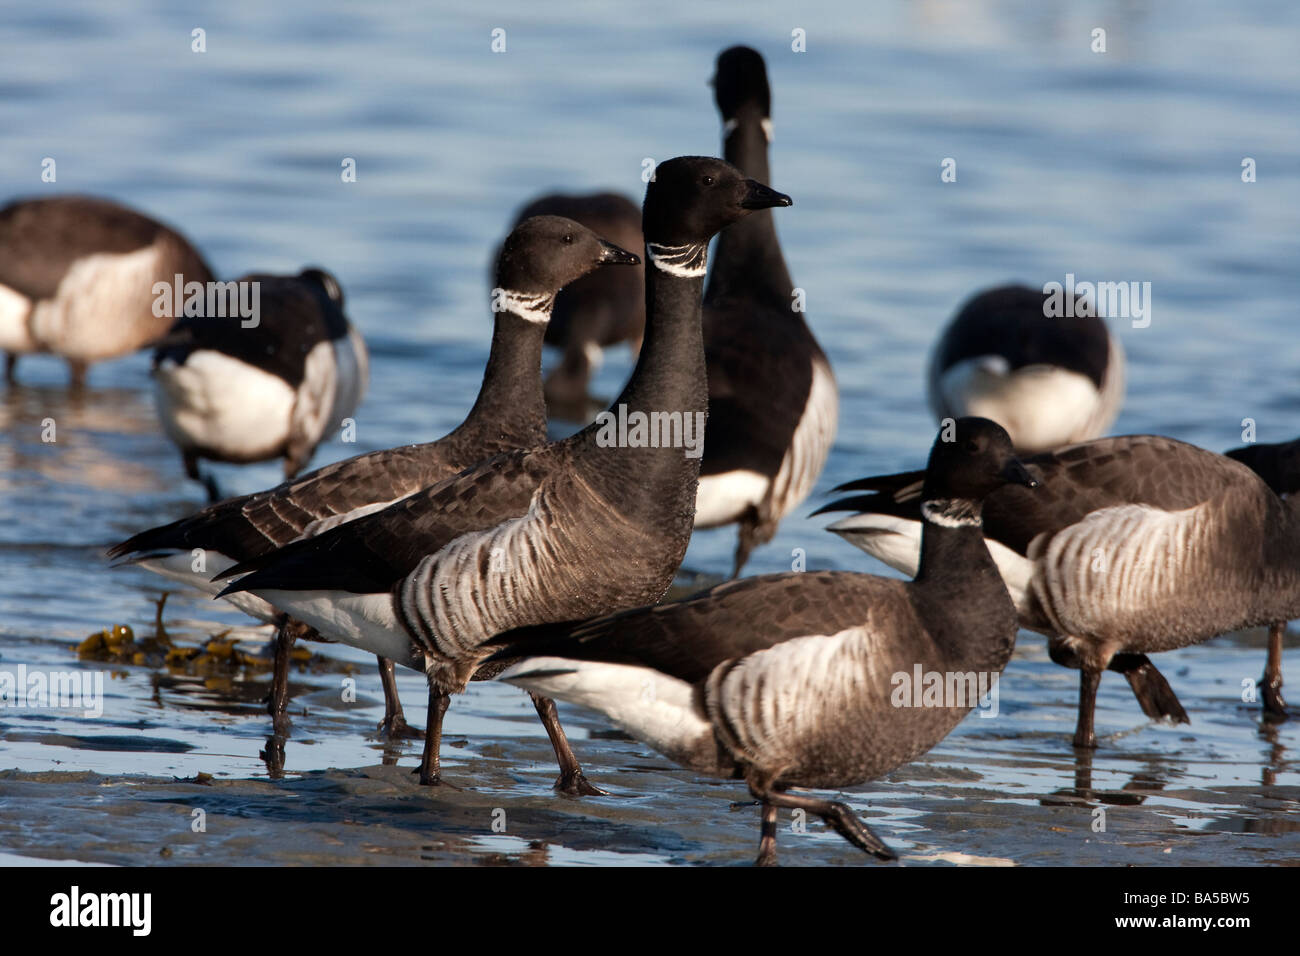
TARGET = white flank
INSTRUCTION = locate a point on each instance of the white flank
(897, 542)
(723, 498)
(1041, 406)
(781, 696)
(313, 410)
(1120, 568)
(365, 621)
(456, 606)
(179, 566)
(102, 307)
(14, 334)
(1016, 571)
(217, 402)
(649, 705)
(893, 540)
(811, 445)
(352, 362)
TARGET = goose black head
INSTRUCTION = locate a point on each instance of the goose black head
(1278, 465)
(691, 198)
(326, 281)
(543, 254)
(971, 458)
(740, 83)
(1015, 323)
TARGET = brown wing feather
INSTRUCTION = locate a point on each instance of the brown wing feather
(688, 638)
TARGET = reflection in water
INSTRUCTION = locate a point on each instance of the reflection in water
(1141, 785)
(74, 439)
(1276, 754)
(273, 756)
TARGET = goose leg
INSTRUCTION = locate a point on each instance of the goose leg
(159, 628)
(431, 762)
(77, 374)
(745, 543)
(571, 779)
(209, 482)
(1154, 695)
(1274, 705)
(1084, 735)
(278, 700)
(767, 838)
(11, 366)
(394, 724)
(836, 815)
(296, 456)
(757, 526)
(1149, 686)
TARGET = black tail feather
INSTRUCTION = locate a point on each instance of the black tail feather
(537, 640)
(886, 483)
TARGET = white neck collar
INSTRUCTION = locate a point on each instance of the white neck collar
(951, 512)
(685, 262)
(730, 125)
(533, 306)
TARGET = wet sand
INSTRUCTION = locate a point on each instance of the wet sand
(1002, 791)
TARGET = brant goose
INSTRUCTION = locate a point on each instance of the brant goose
(793, 680)
(773, 402)
(1136, 544)
(597, 311)
(592, 524)
(1279, 465)
(242, 389)
(536, 260)
(1048, 380)
(77, 276)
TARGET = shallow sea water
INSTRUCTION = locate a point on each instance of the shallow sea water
(1116, 166)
